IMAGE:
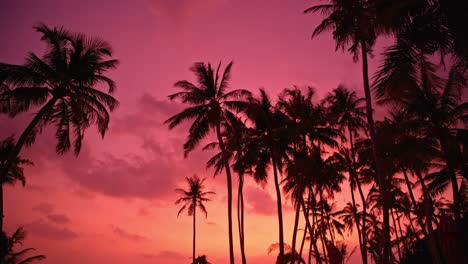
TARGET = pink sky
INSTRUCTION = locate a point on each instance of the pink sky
(115, 202)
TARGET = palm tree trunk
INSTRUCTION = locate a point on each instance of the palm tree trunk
(240, 217)
(428, 208)
(362, 234)
(303, 240)
(296, 224)
(194, 213)
(444, 140)
(322, 236)
(380, 175)
(20, 143)
(229, 189)
(310, 227)
(279, 208)
(356, 220)
(396, 234)
(1, 205)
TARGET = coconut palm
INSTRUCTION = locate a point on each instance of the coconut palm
(7, 245)
(353, 25)
(63, 85)
(201, 260)
(192, 198)
(273, 140)
(408, 80)
(347, 112)
(211, 107)
(242, 151)
(15, 172)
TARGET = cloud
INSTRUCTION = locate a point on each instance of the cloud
(45, 208)
(127, 235)
(59, 218)
(260, 201)
(165, 256)
(49, 231)
(182, 12)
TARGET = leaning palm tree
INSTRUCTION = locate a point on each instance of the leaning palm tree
(354, 25)
(7, 245)
(15, 172)
(63, 84)
(211, 107)
(192, 199)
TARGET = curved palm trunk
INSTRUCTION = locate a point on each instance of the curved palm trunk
(20, 143)
(229, 189)
(294, 236)
(431, 241)
(240, 217)
(396, 233)
(356, 220)
(361, 234)
(280, 210)
(310, 227)
(428, 208)
(380, 176)
(194, 229)
(444, 140)
(303, 240)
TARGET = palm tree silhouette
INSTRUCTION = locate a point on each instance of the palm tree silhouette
(15, 172)
(211, 108)
(201, 260)
(7, 247)
(63, 84)
(273, 140)
(408, 80)
(193, 198)
(354, 25)
(347, 112)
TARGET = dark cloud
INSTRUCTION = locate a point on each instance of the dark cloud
(260, 201)
(45, 208)
(49, 231)
(127, 235)
(59, 218)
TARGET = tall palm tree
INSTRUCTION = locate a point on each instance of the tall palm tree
(193, 198)
(242, 151)
(63, 84)
(15, 172)
(347, 112)
(7, 247)
(273, 141)
(353, 24)
(211, 107)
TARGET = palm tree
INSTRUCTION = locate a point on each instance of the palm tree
(273, 141)
(354, 25)
(242, 151)
(408, 80)
(201, 260)
(192, 199)
(347, 113)
(7, 245)
(15, 172)
(211, 106)
(62, 83)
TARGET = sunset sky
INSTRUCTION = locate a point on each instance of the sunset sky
(115, 202)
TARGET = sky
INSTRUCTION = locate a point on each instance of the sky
(114, 203)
